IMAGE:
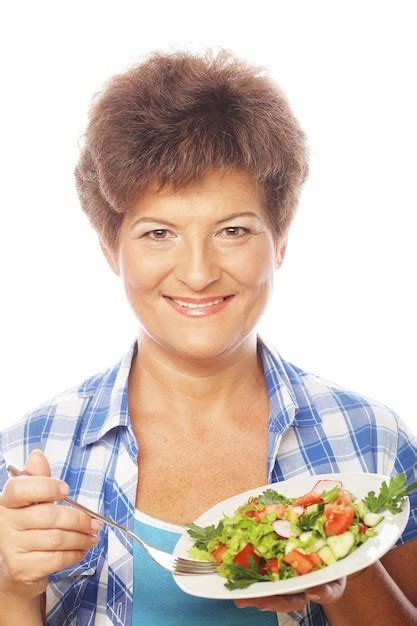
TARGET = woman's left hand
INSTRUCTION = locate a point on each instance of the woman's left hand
(323, 594)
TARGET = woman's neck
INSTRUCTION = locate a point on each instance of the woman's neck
(162, 383)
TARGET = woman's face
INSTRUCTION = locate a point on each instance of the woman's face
(198, 264)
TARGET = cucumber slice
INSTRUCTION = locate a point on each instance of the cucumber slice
(361, 508)
(340, 545)
(312, 508)
(311, 541)
(326, 555)
(291, 544)
(318, 544)
(372, 519)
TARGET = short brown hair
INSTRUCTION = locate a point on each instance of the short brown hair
(175, 117)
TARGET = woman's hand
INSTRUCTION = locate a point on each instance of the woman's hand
(37, 536)
(324, 594)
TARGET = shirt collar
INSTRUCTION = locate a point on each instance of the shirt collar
(108, 407)
(289, 401)
(282, 402)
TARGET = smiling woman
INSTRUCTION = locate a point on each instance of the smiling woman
(190, 174)
(214, 265)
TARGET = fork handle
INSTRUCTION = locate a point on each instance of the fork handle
(14, 471)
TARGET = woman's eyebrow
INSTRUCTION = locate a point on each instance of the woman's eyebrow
(233, 215)
(157, 220)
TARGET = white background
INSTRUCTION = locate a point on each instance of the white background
(344, 305)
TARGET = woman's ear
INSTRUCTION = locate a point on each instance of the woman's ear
(111, 257)
(280, 251)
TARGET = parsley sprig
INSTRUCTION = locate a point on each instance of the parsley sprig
(240, 577)
(390, 495)
(308, 520)
(270, 496)
(204, 534)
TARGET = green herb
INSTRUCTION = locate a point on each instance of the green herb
(270, 496)
(390, 495)
(308, 520)
(319, 526)
(204, 535)
(239, 577)
(285, 572)
(331, 495)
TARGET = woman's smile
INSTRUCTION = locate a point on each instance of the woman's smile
(192, 307)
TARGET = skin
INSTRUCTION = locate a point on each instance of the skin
(197, 257)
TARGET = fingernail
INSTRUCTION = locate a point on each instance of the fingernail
(96, 524)
(314, 597)
(64, 489)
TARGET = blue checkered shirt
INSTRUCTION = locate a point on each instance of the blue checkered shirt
(315, 427)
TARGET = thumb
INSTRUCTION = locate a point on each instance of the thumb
(327, 593)
(37, 464)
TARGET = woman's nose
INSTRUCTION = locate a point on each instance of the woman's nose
(197, 265)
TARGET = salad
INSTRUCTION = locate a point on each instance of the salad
(275, 537)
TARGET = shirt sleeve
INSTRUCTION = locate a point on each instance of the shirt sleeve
(406, 463)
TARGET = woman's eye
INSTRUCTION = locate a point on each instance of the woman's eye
(235, 231)
(159, 233)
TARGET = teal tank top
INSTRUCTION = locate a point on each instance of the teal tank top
(157, 601)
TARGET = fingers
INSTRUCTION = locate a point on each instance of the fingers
(37, 464)
(28, 555)
(25, 490)
(323, 594)
(49, 516)
(30, 567)
(56, 539)
(326, 594)
(38, 536)
(283, 604)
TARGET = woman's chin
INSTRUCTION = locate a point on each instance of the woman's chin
(196, 351)
(197, 348)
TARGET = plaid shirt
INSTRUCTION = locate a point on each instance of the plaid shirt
(314, 427)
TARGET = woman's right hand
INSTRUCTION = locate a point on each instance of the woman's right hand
(38, 536)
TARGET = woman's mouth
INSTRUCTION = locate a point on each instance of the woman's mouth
(198, 307)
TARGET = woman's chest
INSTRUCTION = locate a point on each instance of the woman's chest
(180, 477)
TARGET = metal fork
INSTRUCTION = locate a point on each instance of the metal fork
(176, 565)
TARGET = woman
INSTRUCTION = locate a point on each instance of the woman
(190, 174)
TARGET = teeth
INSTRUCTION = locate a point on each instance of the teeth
(189, 305)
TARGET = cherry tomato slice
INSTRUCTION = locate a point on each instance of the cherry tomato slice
(339, 518)
(218, 552)
(309, 498)
(299, 562)
(244, 555)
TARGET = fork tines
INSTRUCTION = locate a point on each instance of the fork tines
(185, 566)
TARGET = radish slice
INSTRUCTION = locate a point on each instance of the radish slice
(298, 510)
(326, 485)
(283, 528)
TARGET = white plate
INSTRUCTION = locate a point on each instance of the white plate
(389, 530)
